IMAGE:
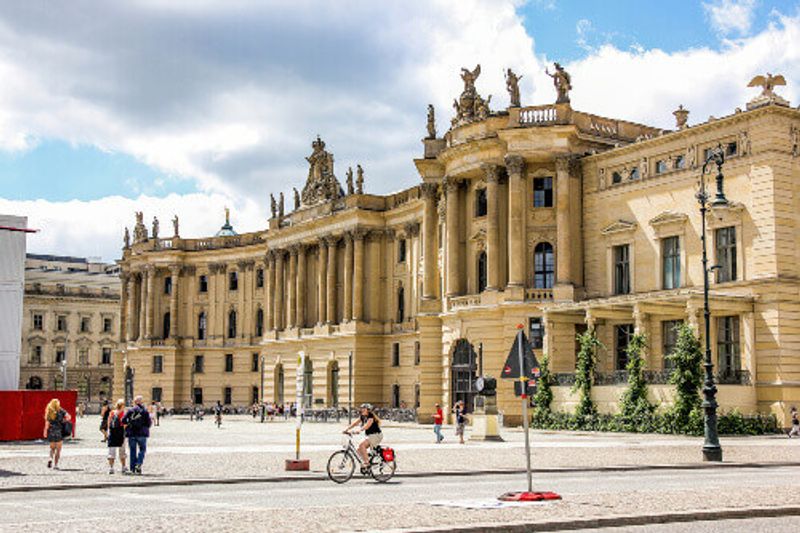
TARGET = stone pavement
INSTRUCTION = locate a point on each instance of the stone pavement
(184, 450)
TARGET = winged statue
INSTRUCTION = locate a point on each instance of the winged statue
(768, 82)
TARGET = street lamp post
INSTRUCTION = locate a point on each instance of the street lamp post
(191, 392)
(712, 451)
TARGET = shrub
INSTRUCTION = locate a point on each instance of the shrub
(544, 392)
(687, 375)
(634, 403)
(584, 371)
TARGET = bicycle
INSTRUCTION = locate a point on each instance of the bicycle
(342, 463)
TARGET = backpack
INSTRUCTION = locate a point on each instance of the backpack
(114, 422)
(136, 419)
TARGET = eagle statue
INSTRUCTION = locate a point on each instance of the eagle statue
(768, 82)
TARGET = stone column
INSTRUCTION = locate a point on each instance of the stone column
(174, 271)
(141, 319)
(454, 266)
(563, 214)
(291, 287)
(492, 173)
(430, 223)
(279, 307)
(300, 306)
(331, 281)
(151, 300)
(517, 217)
(358, 274)
(322, 267)
(348, 277)
(129, 288)
(269, 287)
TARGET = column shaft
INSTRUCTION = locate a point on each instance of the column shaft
(173, 303)
(149, 310)
(348, 277)
(279, 307)
(331, 281)
(322, 267)
(430, 223)
(492, 227)
(291, 286)
(563, 249)
(358, 276)
(453, 239)
(300, 291)
(269, 287)
(130, 309)
(517, 204)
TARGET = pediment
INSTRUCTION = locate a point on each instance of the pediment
(479, 235)
(668, 217)
(619, 226)
(37, 339)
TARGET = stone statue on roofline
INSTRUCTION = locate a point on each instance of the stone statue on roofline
(155, 228)
(321, 184)
(127, 238)
(280, 205)
(512, 85)
(562, 82)
(470, 107)
(431, 123)
(768, 95)
(359, 179)
(273, 205)
(296, 198)
(139, 229)
(175, 227)
(350, 187)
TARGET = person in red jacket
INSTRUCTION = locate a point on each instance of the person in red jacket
(438, 420)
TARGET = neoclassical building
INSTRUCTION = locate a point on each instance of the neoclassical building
(544, 216)
(70, 316)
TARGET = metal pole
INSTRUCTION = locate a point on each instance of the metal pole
(480, 358)
(350, 387)
(523, 378)
(191, 392)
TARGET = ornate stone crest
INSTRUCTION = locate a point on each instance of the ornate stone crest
(321, 184)
(470, 106)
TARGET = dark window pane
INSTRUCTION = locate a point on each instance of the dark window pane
(622, 279)
(726, 254)
(481, 206)
(624, 332)
(543, 266)
(543, 192)
(671, 262)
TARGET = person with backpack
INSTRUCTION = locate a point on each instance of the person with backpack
(137, 424)
(795, 431)
(116, 436)
(461, 420)
(57, 425)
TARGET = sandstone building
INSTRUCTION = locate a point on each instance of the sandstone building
(70, 314)
(544, 215)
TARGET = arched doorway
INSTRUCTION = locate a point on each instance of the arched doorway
(463, 370)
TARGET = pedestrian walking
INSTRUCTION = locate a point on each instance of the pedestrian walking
(438, 420)
(218, 414)
(105, 409)
(461, 420)
(137, 430)
(116, 437)
(56, 424)
(795, 431)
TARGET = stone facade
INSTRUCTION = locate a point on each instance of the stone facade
(70, 313)
(544, 216)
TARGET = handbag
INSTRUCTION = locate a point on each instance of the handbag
(66, 429)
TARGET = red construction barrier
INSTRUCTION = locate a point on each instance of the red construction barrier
(22, 412)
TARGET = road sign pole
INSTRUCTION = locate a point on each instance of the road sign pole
(524, 382)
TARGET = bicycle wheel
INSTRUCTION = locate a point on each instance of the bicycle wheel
(381, 471)
(341, 466)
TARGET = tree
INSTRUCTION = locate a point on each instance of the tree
(584, 371)
(687, 374)
(634, 401)
(544, 392)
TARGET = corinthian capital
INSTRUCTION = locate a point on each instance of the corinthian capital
(515, 164)
(451, 184)
(491, 172)
(428, 190)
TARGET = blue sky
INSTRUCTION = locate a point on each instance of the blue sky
(183, 107)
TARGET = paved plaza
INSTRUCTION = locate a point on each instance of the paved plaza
(199, 477)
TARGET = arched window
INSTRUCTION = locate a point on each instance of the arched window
(201, 326)
(166, 325)
(544, 266)
(232, 324)
(401, 304)
(259, 322)
(481, 271)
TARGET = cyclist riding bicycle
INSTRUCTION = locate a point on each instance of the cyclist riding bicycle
(371, 426)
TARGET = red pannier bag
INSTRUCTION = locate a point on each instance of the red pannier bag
(388, 454)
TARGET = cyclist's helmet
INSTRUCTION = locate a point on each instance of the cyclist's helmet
(367, 406)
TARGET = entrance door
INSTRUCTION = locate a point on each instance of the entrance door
(463, 371)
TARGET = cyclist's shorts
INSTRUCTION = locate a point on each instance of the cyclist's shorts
(375, 439)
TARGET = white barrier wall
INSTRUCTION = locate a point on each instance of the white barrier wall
(12, 282)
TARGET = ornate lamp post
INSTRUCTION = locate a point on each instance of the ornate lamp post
(712, 451)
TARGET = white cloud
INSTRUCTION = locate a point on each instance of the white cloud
(730, 16)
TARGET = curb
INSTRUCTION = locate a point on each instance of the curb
(615, 521)
(320, 476)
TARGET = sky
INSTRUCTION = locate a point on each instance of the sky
(189, 106)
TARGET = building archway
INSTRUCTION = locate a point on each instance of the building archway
(463, 372)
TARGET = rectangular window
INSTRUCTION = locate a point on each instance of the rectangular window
(155, 394)
(61, 355)
(61, 323)
(728, 355)
(255, 362)
(38, 322)
(36, 356)
(417, 353)
(543, 192)
(259, 278)
(669, 340)
(85, 323)
(168, 285)
(83, 357)
(725, 239)
(199, 364)
(228, 362)
(623, 334)
(401, 251)
(202, 283)
(396, 396)
(198, 395)
(396, 354)
(228, 396)
(731, 149)
(158, 364)
(671, 263)
(634, 175)
(255, 395)
(416, 396)
(707, 153)
(680, 161)
(481, 204)
(107, 324)
(661, 166)
(536, 332)
(233, 281)
(105, 356)
(622, 269)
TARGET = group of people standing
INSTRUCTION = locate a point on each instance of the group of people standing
(460, 419)
(118, 425)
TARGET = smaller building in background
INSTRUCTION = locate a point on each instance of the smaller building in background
(70, 326)
(13, 230)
